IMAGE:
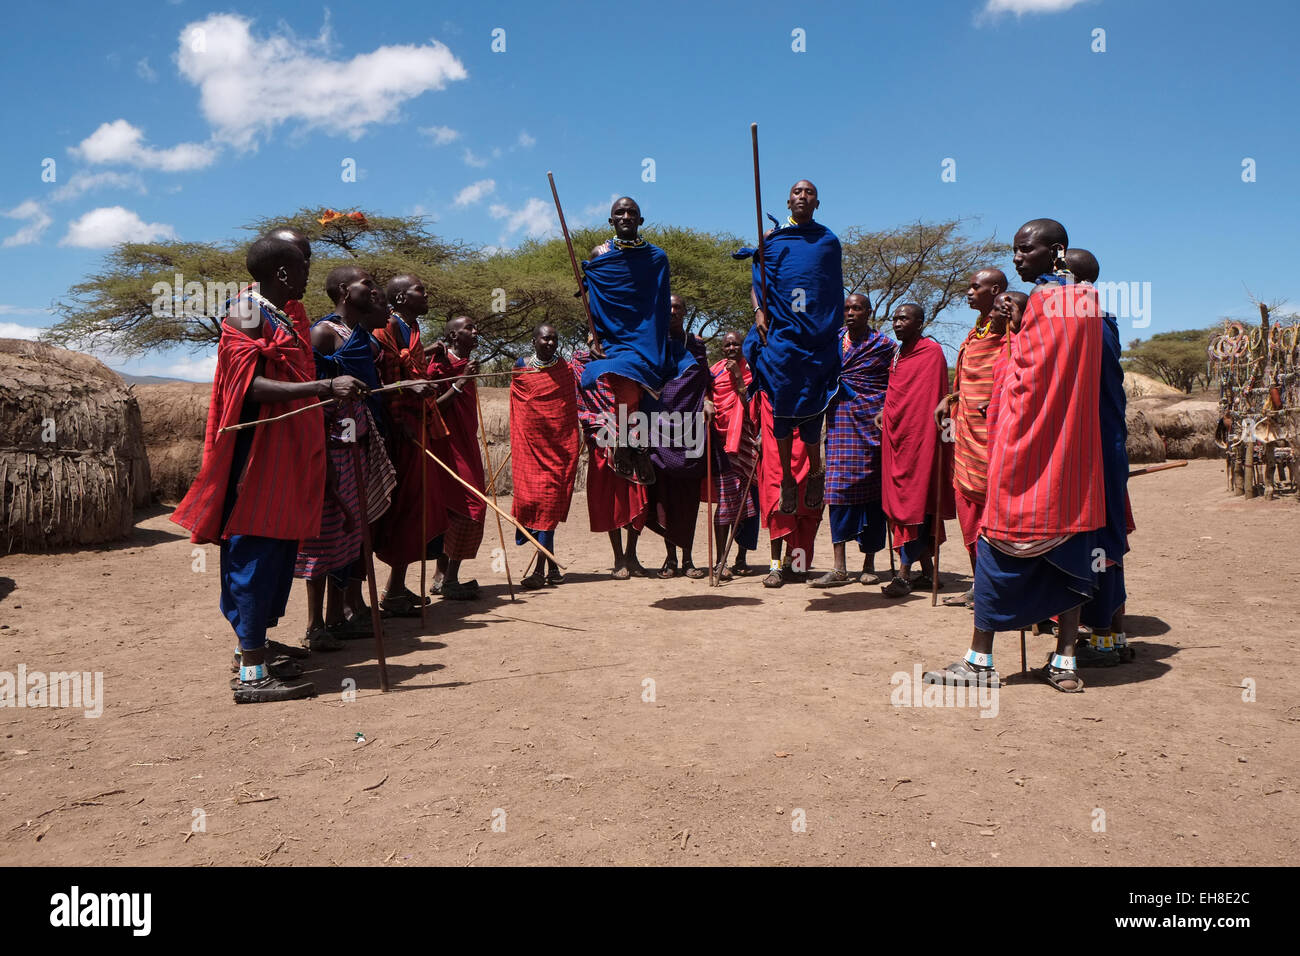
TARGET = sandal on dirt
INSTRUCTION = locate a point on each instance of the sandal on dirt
(774, 579)
(1086, 655)
(280, 666)
(349, 630)
(814, 492)
(270, 689)
(556, 577)
(869, 577)
(276, 649)
(896, 588)
(965, 599)
(741, 570)
(922, 582)
(694, 573)
(831, 579)
(401, 603)
(789, 502)
(621, 574)
(963, 673)
(460, 590)
(319, 639)
(534, 581)
(1055, 675)
(669, 569)
(1126, 653)
(722, 572)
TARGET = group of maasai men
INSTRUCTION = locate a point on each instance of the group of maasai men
(1026, 448)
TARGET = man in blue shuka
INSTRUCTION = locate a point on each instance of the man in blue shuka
(793, 348)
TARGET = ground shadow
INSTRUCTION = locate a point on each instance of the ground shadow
(1143, 625)
(703, 602)
(1149, 665)
(6, 587)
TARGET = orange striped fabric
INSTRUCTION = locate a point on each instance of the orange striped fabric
(974, 386)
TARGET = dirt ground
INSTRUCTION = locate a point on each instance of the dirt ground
(522, 734)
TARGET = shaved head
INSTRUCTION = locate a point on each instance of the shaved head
(992, 277)
(341, 276)
(1049, 230)
(296, 236)
(1083, 264)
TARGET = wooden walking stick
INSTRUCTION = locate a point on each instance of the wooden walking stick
(424, 518)
(368, 558)
(1152, 469)
(595, 348)
(708, 483)
(762, 261)
(484, 498)
(938, 524)
(742, 507)
(889, 546)
(482, 430)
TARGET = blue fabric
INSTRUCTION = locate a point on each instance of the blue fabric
(355, 358)
(1113, 538)
(810, 428)
(799, 367)
(864, 523)
(1011, 592)
(628, 290)
(747, 533)
(1110, 596)
(684, 395)
(256, 576)
(915, 549)
(545, 538)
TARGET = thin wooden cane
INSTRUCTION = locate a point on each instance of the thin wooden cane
(938, 524)
(708, 483)
(487, 456)
(596, 349)
(368, 559)
(889, 533)
(500, 468)
(424, 520)
(484, 498)
(1024, 662)
(742, 508)
(758, 208)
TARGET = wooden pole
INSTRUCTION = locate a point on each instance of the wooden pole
(938, 523)
(744, 505)
(1024, 663)
(500, 468)
(1152, 469)
(424, 518)
(505, 555)
(596, 350)
(367, 557)
(708, 483)
(889, 545)
(484, 498)
(762, 261)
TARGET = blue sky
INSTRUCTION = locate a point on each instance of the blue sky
(190, 119)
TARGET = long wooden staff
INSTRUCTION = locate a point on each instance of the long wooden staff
(744, 503)
(424, 517)
(367, 556)
(938, 523)
(1152, 469)
(500, 468)
(482, 430)
(372, 391)
(484, 498)
(595, 348)
(708, 483)
(762, 261)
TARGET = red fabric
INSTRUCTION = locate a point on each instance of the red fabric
(974, 387)
(905, 533)
(910, 441)
(282, 489)
(460, 449)
(1129, 524)
(729, 420)
(464, 535)
(801, 529)
(626, 392)
(613, 502)
(1045, 478)
(768, 478)
(543, 445)
(969, 514)
(397, 534)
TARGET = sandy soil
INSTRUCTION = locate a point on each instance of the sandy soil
(771, 709)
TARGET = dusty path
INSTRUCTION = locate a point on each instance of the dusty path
(770, 708)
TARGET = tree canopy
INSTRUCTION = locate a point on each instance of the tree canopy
(1176, 358)
(134, 305)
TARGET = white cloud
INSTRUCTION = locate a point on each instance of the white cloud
(38, 220)
(535, 219)
(120, 142)
(472, 160)
(526, 141)
(597, 211)
(145, 71)
(111, 225)
(441, 135)
(12, 330)
(191, 369)
(22, 310)
(1021, 7)
(288, 79)
(475, 191)
(81, 183)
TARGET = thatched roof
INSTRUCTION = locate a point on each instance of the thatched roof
(72, 457)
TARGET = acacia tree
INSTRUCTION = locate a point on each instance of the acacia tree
(1176, 358)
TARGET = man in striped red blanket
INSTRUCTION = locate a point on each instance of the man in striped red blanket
(259, 490)
(965, 411)
(913, 450)
(853, 444)
(543, 448)
(1045, 495)
(735, 443)
(417, 515)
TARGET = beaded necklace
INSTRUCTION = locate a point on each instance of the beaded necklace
(636, 243)
(534, 362)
